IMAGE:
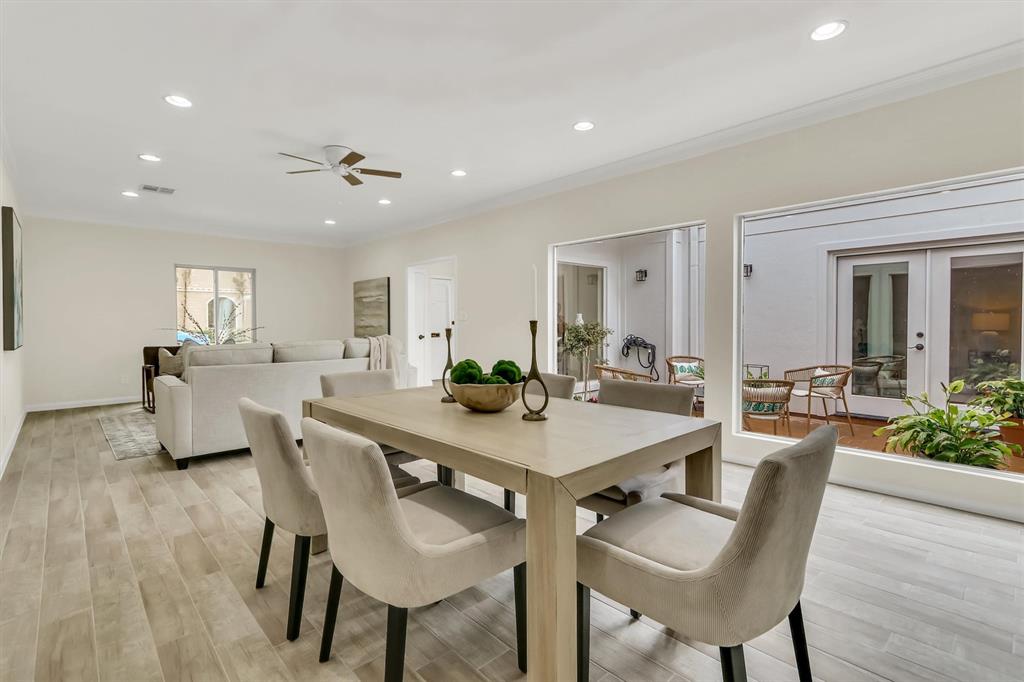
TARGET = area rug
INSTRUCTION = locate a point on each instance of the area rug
(131, 434)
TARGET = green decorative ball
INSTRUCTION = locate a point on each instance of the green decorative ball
(493, 379)
(507, 370)
(467, 372)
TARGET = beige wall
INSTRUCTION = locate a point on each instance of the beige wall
(971, 128)
(12, 403)
(95, 294)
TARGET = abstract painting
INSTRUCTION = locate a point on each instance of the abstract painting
(371, 306)
(12, 278)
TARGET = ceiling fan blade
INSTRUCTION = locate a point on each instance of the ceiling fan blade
(351, 159)
(351, 179)
(312, 170)
(301, 158)
(382, 173)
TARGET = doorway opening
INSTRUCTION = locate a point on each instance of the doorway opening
(431, 310)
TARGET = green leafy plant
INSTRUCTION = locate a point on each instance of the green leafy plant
(1004, 396)
(585, 341)
(983, 370)
(962, 434)
(507, 370)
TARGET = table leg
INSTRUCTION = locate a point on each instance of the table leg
(704, 472)
(550, 579)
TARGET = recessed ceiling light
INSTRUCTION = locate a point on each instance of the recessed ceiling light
(583, 126)
(129, 193)
(384, 202)
(178, 101)
(829, 30)
(328, 222)
(459, 173)
(149, 157)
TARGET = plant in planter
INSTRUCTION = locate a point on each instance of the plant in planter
(1005, 396)
(962, 434)
(585, 341)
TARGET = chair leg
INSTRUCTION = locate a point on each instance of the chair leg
(510, 500)
(394, 656)
(300, 564)
(775, 427)
(445, 475)
(824, 406)
(519, 579)
(331, 615)
(796, 629)
(582, 633)
(599, 517)
(634, 614)
(268, 537)
(808, 412)
(847, 408)
(182, 463)
(733, 667)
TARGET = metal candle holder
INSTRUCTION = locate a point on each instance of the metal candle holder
(533, 415)
(448, 398)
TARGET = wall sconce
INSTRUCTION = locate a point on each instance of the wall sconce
(641, 275)
(748, 269)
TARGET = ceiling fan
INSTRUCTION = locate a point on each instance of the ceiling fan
(340, 161)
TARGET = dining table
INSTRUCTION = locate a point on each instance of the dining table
(580, 449)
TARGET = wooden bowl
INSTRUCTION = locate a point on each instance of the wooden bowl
(485, 397)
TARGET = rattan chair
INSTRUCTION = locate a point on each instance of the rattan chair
(609, 372)
(767, 399)
(827, 382)
(696, 380)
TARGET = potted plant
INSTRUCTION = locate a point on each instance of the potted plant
(962, 434)
(486, 392)
(1006, 397)
(585, 341)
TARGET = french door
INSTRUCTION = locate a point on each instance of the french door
(911, 321)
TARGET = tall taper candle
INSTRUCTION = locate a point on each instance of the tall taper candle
(534, 293)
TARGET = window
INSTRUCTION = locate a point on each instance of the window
(215, 305)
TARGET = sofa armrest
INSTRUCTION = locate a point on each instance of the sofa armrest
(174, 415)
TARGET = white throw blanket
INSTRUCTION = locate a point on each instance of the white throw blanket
(384, 353)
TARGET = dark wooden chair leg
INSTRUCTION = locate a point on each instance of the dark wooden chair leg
(733, 667)
(445, 475)
(519, 580)
(582, 633)
(394, 656)
(634, 614)
(331, 615)
(600, 517)
(510, 500)
(182, 463)
(796, 629)
(300, 564)
(268, 537)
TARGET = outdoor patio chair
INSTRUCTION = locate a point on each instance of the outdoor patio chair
(827, 382)
(767, 399)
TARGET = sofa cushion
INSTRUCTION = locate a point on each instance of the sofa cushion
(169, 363)
(308, 351)
(228, 354)
(357, 348)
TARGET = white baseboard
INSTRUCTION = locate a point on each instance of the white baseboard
(5, 456)
(45, 407)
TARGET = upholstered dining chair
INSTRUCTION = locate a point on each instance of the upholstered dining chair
(408, 548)
(290, 498)
(559, 386)
(710, 572)
(827, 382)
(767, 399)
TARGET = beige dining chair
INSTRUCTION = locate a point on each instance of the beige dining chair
(559, 386)
(827, 382)
(408, 548)
(290, 498)
(709, 572)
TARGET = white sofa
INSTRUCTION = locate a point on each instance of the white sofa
(198, 413)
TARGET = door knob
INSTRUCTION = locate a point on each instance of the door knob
(916, 346)
(421, 337)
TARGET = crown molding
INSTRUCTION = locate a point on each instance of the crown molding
(948, 74)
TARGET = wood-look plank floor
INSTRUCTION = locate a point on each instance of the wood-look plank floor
(133, 570)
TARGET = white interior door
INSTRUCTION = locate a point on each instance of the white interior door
(881, 329)
(977, 293)
(439, 316)
(419, 357)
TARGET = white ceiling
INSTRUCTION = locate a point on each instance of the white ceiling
(421, 87)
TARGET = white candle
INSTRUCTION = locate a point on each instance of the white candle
(534, 292)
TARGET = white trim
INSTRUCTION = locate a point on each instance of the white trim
(45, 407)
(5, 456)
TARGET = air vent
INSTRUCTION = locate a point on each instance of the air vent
(156, 189)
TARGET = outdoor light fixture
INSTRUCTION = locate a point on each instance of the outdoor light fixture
(641, 275)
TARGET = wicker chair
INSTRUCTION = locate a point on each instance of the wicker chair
(609, 372)
(866, 373)
(893, 374)
(827, 382)
(674, 362)
(767, 399)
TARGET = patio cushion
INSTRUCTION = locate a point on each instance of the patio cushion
(689, 369)
(821, 378)
(762, 408)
